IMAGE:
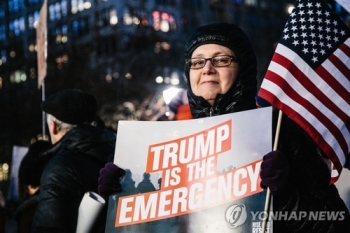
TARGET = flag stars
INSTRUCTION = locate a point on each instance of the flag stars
(312, 35)
(329, 45)
(286, 37)
(311, 20)
(295, 35)
(295, 42)
(304, 42)
(302, 20)
(313, 43)
(300, 5)
(335, 23)
(320, 28)
(309, 4)
(312, 27)
(305, 50)
(314, 51)
(323, 52)
(342, 32)
(301, 13)
(335, 31)
(328, 37)
(336, 39)
(319, 12)
(327, 13)
(294, 28)
(319, 20)
(286, 30)
(321, 44)
(318, 5)
(310, 12)
(303, 35)
(303, 27)
(327, 21)
(314, 59)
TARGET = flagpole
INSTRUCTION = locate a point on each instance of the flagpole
(43, 113)
(268, 193)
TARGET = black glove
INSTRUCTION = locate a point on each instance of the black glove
(109, 180)
(274, 171)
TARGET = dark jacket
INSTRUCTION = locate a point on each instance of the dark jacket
(308, 187)
(73, 169)
(25, 213)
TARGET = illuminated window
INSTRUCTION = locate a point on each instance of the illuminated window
(15, 5)
(80, 27)
(163, 21)
(32, 18)
(17, 26)
(251, 2)
(80, 5)
(58, 10)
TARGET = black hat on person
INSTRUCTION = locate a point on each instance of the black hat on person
(71, 106)
(33, 164)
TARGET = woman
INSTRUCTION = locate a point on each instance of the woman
(221, 78)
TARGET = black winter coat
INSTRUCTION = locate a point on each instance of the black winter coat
(73, 169)
(308, 187)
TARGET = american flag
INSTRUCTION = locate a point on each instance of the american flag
(308, 78)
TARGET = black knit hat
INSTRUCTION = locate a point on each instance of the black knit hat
(71, 106)
(33, 164)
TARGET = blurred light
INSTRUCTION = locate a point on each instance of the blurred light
(127, 19)
(35, 24)
(0, 62)
(289, 8)
(169, 94)
(12, 54)
(108, 78)
(128, 76)
(87, 5)
(64, 39)
(31, 48)
(5, 167)
(23, 77)
(164, 26)
(113, 20)
(58, 39)
(165, 45)
(135, 20)
(167, 80)
(0, 82)
(159, 79)
(175, 81)
(65, 58)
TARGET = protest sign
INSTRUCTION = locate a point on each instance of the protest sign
(202, 175)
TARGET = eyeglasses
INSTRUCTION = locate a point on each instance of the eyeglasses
(217, 61)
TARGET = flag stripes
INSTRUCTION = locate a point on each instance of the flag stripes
(317, 99)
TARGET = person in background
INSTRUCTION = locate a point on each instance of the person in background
(29, 174)
(146, 185)
(79, 152)
(179, 105)
(221, 71)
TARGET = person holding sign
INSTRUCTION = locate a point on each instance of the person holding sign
(221, 71)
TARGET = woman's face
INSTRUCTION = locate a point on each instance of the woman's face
(209, 80)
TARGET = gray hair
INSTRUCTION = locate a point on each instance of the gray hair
(61, 126)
